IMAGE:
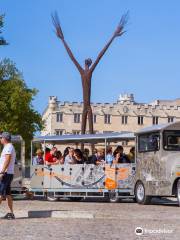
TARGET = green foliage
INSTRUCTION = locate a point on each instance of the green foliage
(2, 40)
(17, 114)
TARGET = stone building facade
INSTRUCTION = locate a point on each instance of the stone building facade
(124, 115)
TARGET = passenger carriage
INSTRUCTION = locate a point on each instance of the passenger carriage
(77, 181)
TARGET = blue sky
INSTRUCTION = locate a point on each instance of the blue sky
(145, 61)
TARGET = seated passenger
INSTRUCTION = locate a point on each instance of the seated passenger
(50, 156)
(109, 155)
(38, 159)
(100, 158)
(92, 158)
(123, 158)
(131, 155)
(116, 155)
(95, 151)
(69, 159)
(60, 157)
(79, 159)
(86, 154)
(66, 152)
(54, 153)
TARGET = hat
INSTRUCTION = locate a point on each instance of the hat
(6, 135)
(39, 151)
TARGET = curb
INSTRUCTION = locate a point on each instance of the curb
(53, 214)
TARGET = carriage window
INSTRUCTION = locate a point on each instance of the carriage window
(148, 142)
(17, 147)
(171, 140)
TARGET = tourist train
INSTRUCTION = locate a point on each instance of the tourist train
(154, 170)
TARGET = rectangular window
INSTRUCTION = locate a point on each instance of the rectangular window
(94, 118)
(59, 132)
(171, 140)
(155, 120)
(76, 132)
(107, 131)
(124, 119)
(107, 118)
(149, 142)
(170, 119)
(140, 120)
(59, 117)
(77, 117)
(124, 143)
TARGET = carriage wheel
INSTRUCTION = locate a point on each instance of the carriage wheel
(140, 194)
(113, 196)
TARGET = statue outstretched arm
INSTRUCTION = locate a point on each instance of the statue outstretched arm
(60, 35)
(119, 32)
(101, 54)
(80, 69)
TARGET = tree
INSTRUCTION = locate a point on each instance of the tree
(89, 67)
(2, 40)
(17, 114)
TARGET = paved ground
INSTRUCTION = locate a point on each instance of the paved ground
(99, 220)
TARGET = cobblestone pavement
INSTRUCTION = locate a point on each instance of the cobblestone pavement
(111, 221)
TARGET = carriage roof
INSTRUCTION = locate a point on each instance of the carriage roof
(159, 127)
(90, 138)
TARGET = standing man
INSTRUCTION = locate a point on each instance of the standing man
(7, 162)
